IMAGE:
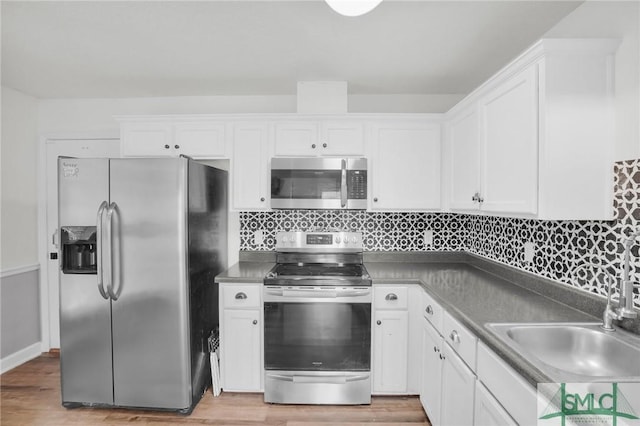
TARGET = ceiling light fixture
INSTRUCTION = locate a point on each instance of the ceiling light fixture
(353, 7)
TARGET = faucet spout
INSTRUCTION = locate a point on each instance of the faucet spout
(625, 302)
(609, 314)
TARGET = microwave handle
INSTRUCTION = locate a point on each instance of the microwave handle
(343, 185)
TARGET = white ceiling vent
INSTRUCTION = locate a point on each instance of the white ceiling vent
(322, 97)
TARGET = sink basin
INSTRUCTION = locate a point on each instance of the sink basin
(574, 351)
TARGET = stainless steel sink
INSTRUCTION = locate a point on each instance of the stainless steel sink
(574, 351)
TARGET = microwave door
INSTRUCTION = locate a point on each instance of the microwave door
(312, 189)
(343, 185)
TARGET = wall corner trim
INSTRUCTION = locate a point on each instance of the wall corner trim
(19, 270)
(18, 358)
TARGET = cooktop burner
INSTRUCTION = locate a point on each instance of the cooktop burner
(318, 270)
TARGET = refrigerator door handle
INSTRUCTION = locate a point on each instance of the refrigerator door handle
(99, 249)
(111, 210)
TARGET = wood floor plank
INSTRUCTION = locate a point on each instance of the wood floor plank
(30, 395)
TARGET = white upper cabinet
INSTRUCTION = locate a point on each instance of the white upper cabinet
(200, 139)
(319, 138)
(249, 166)
(172, 136)
(146, 139)
(509, 122)
(464, 154)
(535, 140)
(404, 166)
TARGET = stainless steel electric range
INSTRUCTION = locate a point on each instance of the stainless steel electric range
(317, 320)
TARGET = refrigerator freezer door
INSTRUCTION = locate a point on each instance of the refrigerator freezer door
(150, 316)
(85, 316)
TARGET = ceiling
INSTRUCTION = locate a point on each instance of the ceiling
(78, 49)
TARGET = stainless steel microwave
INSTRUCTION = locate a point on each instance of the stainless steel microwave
(318, 183)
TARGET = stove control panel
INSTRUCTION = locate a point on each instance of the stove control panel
(322, 241)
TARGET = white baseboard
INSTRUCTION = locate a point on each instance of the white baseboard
(18, 358)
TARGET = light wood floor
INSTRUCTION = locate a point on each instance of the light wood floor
(30, 395)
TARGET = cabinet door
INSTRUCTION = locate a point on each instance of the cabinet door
(406, 167)
(464, 160)
(203, 140)
(510, 145)
(488, 411)
(147, 139)
(296, 139)
(240, 350)
(431, 382)
(390, 351)
(250, 166)
(458, 389)
(341, 138)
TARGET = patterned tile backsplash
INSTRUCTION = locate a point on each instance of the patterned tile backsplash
(565, 251)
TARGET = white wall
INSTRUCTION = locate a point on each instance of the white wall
(615, 19)
(67, 117)
(19, 269)
(19, 196)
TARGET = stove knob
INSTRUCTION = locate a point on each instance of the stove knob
(337, 240)
(354, 240)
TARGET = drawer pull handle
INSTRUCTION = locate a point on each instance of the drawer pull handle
(429, 310)
(378, 322)
(241, 296)
(255, 322)
(455, 338)
(391, 296)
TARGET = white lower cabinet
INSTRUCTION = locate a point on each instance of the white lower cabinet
(241, 337)
(447, 390)
(430, 388)
(488, 411)
(390, 338)
(458, 390)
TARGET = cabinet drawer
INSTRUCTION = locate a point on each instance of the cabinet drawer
(432, 311)
(515, 394)
(460, 339)
(241, 296)
(392, 297)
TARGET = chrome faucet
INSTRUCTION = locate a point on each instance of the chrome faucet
(625, 302)
(610, 314)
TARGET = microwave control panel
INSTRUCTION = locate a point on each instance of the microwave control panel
(357, 184)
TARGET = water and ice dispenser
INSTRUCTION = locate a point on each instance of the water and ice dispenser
(79, 250)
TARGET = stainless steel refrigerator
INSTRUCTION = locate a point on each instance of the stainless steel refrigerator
(141, 241)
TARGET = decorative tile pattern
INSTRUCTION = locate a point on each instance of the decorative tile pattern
(565, 251)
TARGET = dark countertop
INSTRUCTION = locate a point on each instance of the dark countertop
(472, 290)
(245, 272)
(476, 297)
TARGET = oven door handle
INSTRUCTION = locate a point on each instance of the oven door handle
(317, 294)
(314, 294)
(332, 379)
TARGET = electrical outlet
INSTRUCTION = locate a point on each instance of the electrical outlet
(428, 237)
(529, 251)
(258, 237)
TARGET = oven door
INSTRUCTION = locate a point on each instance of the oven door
(317, 329)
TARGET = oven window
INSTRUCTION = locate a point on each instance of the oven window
(306, 184)
(317, 336)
